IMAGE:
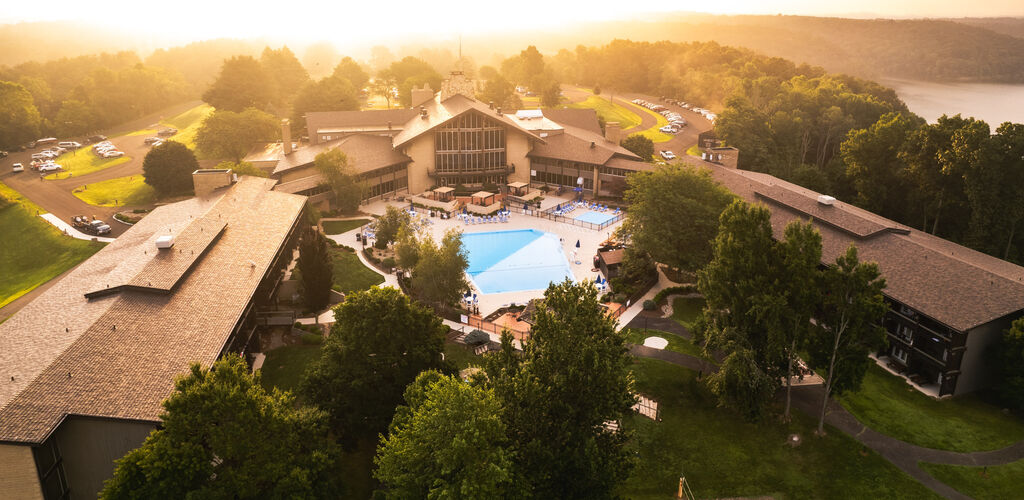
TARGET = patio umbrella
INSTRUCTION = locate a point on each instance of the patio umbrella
(577, 243)
(578, 189)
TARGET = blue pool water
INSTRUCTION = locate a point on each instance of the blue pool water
(513, 261)
(595, 217)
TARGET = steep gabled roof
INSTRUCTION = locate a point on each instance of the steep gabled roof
(365, 153)
(439, 113)
(582, 118)
(585, 146)
(371, 119)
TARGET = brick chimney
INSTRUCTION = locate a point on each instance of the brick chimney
(421, 96)
(613, 132)
(286, 136)
(727, 157)
(206, 181)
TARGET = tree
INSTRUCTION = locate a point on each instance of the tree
(742, 315)
(1007, 357)
(800, 257)
(227, 134)
(673, 214)
(350, 70)
(439, 276)
(334, 93)
(994, 187)
(573, 376)
(19, 118)
(873, 163)
(448, 441)
(224, 436)
(384, 86)
(168, 168)
(389, 224)
(242, 168)
(380, 341)
(348, 191)
(408, 73)
(241, 84)
(286, 72)
(316, 269)
(407, 248)
(847, 324)
(640, 145)
(499, 91)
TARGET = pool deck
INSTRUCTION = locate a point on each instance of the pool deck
(569, 234)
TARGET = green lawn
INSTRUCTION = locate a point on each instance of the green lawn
(350, 274)
(461, 354)
(889, 405)
(653, 133)
(285, 366)
(187, 124)
(342, 226)
(129, 191)
(982, 483)
(675, 342)
(610, 112)
(693, 150)
(686, 310)
(83, 161)
(724, 456)
(33, 252)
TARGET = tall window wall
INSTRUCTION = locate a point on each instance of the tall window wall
(470, 143)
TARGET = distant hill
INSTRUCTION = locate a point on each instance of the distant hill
(1013, 26)
(45, 41)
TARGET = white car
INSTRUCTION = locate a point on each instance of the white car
(668, 155)
(49, 167)
(17, 167)
(69, 145)
(113, 153)
(668, 129)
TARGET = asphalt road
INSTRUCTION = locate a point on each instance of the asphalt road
(55, 196)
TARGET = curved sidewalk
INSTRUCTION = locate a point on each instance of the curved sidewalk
(902, 454)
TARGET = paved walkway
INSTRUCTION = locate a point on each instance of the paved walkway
(69, 230)
(901, 453)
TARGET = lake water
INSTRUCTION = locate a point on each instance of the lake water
(995, 103)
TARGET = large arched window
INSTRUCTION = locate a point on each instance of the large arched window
(470, 142)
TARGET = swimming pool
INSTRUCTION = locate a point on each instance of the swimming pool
(513, 261)
(595, 217)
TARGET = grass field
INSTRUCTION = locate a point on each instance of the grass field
(981, 483)
(685, 310)
(461, 355)
(33, 252)
(675, 342)
(342, 226)
(609, 111)
(722, 455)
(350, 274)
(187, 124)
(285, 366)
(693, 150)
(887, 404)
(83, 161)
(130, 191)
(653, 133)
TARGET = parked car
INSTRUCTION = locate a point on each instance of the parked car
(3, 154)
(152, 140)
(167, 132)
(39, 156)
(113, 153)
(668, 155)
(17, 167)
(97, 138)
(69, 144)
(90, 226)
(667, 129)
(46, 141)
(49, 167)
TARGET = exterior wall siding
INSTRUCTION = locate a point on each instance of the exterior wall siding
(421, 150)
(18, 476)
(89, 447)
(976, 373)
(517, 146)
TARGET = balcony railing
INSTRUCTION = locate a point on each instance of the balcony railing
(500, 170)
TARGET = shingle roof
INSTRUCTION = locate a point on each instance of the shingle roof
(365, 153)
(627, 164)
(439, 112)
(954, 285)
(300, 185)
(376, 119)
(116, 356)
(585, 146)
(584, 118)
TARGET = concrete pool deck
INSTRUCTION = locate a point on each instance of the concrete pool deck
(569, 234)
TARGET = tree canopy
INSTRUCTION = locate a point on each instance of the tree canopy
(380, 341)
(341, 177)
(333, 93)
(19, 118)
(640, 145)
(447, 441)
(286, 73)
(572, 377)
(168, 168)
(408, 73)
(439, 275)
(223, 436)
(1007, 356)
(242, 83)
(673, 214)
(316, 269)
(227, 134)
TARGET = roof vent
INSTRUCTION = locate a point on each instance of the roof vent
(165, 242)
(826, 200)
(592, 144)
(490, 104)
(423, 112)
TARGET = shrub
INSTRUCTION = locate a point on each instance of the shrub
(477, 337)
(648, 305)
(388, 262)
(674, 290)
(312, 338)
(368, 252)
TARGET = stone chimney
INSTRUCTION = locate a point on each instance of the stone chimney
(613, 132)
(206, 181)
(457, 83)
(727, 157)
(286, 136)
(421, 96)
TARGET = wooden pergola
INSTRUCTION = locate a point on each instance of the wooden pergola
(516, 188)
(443, 193)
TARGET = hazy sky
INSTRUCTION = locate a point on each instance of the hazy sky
(347, 21)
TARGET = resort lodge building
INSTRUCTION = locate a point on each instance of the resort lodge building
(948, 304)
(85, 366)
(450, 139)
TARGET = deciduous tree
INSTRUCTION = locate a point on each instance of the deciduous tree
(348, 191)
(380, 341)
(334, 93)
(287, 74)
(1007, 357)
(242, 83)
(316, 268)
(640, 145)
(227, 134)
(447, 441)
(224, 436)
(168, 168)
(439, 276)
(19, 118)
